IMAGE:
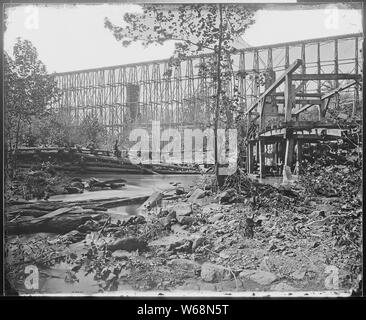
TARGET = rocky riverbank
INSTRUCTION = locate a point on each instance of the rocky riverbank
(257, 239)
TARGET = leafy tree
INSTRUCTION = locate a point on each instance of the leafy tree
(28, 91)
(92, 132)
(195, 28)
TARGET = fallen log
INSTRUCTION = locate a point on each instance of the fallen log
(152, 201)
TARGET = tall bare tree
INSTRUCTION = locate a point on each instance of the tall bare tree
(195, 29)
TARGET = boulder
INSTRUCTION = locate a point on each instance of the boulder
(134, 220)
(179, 191)
(282, 286)
(73, 236)
(128, 244)
(182, 209)
(197, 242)
(121, 254)
(210, 208)
(298, 275)
(196, 194)
(185, 220)
(214, 273)
(89, 225)
(191, 267)
(73, 190)
(77, 184)
(261, 277)
(227, 196)
(216, 217)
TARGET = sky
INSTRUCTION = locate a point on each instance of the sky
(73, 37)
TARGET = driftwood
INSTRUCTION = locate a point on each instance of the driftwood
(61, 221)
(152, 201)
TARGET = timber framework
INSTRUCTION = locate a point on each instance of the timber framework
(176, 93)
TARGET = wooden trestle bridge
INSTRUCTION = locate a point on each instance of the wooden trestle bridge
(305, 76)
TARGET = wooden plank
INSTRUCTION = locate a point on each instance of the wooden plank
(302, 109)
(299, 94)
(333, 92)
(302, 101)
(325, 76)
(288, 97)
(277, 83)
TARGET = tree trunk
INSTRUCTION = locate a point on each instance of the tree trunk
(217, 110)
(14, 155)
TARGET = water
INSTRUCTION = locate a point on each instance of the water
(137, 185)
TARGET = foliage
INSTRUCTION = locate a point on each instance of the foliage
(28, 90)
(92, 132)
(36, 251)
(195, 29)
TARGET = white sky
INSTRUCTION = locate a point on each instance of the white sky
(73, 37)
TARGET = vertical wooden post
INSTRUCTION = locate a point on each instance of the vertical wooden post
(261, 159)
(242, 81)
(287, 57)
(319, 66)
(261, 106)
(288, 157)
(288, 98)
(299, 153)
(250, 158)
(356, 100)
(303, 58)
(276, 150)
(336, 69)
(321, 109)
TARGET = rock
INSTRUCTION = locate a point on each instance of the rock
(211, 207)
(189, 194)
(165, 222)
(298, 275)
(216, 217)
(197, 194)
(76, 179)
(197, 243)
(134, 220)
(317, 213)
(179, 191)
(154, 200)
(77, 184)
(128, 244)
(214, 273)
(73, 236)
(184, 220)
(282, 286)
(208, 287)
(89, 225)
(182, 209)
(191, 268)
(73, 190)
(227, 196)
(261, 277)
(121, 254)
(169, 242)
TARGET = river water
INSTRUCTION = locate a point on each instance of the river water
(137, 185)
